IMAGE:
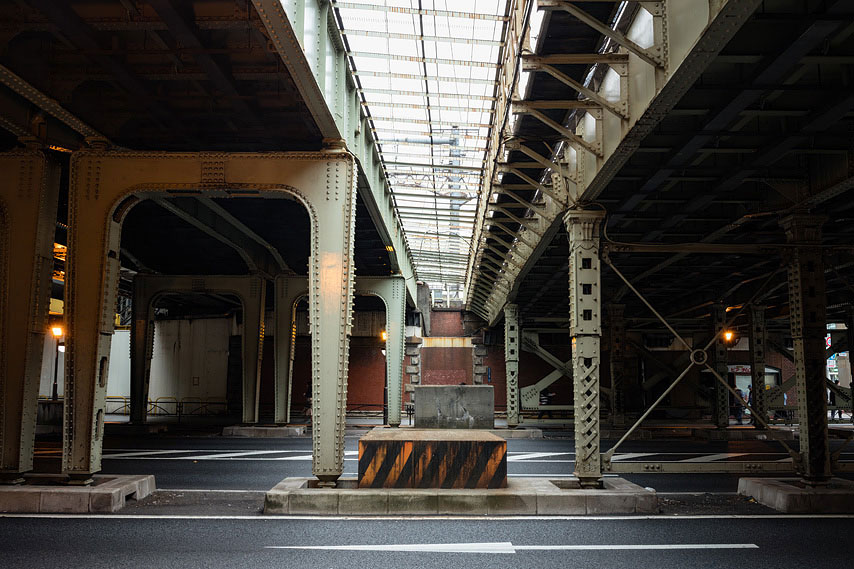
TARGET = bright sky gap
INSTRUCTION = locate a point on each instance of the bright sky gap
(427, 72)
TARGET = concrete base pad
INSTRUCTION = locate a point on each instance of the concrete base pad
(521, 497)
(49, 494)
(789, 495)
(263, 432)
(518, 433)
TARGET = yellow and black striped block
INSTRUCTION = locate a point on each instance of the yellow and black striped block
(390, 458)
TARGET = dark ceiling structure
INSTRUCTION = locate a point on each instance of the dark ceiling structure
(766, 130)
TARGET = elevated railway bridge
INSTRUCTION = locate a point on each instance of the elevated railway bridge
(684, 167)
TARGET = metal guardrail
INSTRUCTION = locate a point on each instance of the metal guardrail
(121, 405)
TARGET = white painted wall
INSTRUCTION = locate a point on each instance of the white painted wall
(190, 360)
(48, 359)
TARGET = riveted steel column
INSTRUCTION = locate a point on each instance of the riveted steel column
(288, 291)
(29, 188)
(511, 362)
(585, 328)
(807, 317)
(617, 337)
(331, 283)
(94, 238)
(395, 318)
(141, 349)
(722, 395)
(758, 340)
(392, 291)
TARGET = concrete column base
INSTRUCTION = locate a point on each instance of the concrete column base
(263, 432)
(518, 433)
(44, 494)
(791, 496)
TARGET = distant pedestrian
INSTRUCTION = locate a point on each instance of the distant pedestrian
(831, 401)
(738, 408)
(750, 403)
(545, 399)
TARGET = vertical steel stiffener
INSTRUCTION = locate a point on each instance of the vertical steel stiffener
(511, 362)
(289, 289)
(29, 191)
(808, 322)
(585, 329)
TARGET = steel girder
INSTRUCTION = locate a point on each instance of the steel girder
(660, 76)
(335, 103)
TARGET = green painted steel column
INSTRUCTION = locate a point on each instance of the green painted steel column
(511, 362)
(808, 322)
(29, 191)
(585, 314)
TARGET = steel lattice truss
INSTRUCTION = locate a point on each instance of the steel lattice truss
(427, 72)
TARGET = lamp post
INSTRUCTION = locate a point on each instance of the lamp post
(57, 334)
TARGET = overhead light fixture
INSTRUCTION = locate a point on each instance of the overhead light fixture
(57, 331)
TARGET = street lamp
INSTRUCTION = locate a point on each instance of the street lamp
(57, 332)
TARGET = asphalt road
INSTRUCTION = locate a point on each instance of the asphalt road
(220, 463)
(725, 543)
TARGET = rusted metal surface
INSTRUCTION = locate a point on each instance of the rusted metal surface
(432, 459)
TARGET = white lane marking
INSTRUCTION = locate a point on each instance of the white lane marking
(505, 547)
(235, 454)
(137, 454)
(515, 457)
(713, 457)
(628, 455)
(638, 546)
(496, 547)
